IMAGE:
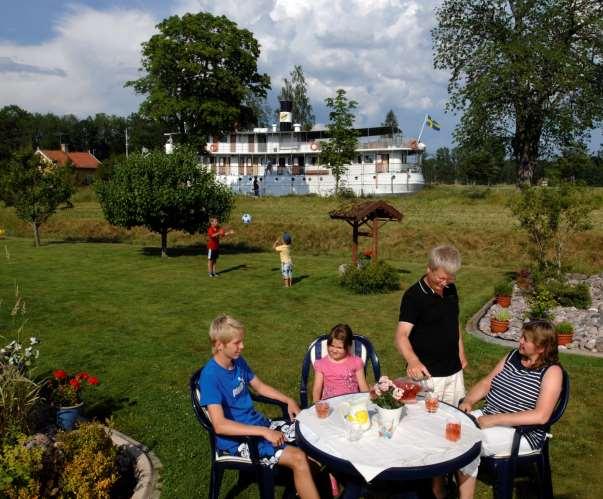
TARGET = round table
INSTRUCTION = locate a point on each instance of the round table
(417, 450)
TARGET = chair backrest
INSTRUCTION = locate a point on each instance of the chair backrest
(200, 412)
(563, 400)
(361, 347)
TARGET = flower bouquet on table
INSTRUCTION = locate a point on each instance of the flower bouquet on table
(66, 395)
(389, 399)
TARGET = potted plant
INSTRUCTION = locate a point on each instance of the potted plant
(524, 279)
(565, 332)
(503, 292)
(499, 322)
(389, 401)
(541, 303)
(65, 395)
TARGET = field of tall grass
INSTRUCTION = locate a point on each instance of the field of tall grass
(140, 322)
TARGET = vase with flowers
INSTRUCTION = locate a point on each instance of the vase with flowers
(66, 395)
(389, 400)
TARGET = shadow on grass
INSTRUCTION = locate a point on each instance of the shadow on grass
(300, 278)
(103, 408)
(200, 250)
(403, 271)
(242, 266)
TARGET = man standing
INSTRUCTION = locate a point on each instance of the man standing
(428, 334)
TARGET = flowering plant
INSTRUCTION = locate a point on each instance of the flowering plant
(17, 354)
(66, 390)
(386, 394)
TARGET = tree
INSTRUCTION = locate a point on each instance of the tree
(35, 189)
(199, 71)
(391, 121)
(296, 90)
(163, 192)
(15, 130)
(340, 150)
(528, 72)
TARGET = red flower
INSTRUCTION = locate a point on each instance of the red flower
(59, 374)
(83, 375)
(75, 384)
(93, 380)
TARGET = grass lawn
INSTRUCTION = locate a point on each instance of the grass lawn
(140, 323)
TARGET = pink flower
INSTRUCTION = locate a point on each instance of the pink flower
(398, 393)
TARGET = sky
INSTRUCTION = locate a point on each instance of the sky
(69, 57)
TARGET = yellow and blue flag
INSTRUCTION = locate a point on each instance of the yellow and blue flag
(431, 123)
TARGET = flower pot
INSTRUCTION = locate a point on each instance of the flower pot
(503, 300)
(564, 338)
(497, 327)
(387, 420)
(67, 416)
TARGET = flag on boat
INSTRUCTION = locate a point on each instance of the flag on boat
(431, 123)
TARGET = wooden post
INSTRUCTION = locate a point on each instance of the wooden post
(375, 229)
(355, 243)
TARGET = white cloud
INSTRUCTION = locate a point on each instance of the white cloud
(378, 50)
(82, 69)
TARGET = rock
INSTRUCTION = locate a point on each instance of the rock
(599, 344)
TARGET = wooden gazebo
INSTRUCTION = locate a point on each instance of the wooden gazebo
(373, 214)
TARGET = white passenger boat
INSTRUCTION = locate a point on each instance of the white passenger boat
(285, 160)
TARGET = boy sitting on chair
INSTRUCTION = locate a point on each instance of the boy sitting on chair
(224, 391)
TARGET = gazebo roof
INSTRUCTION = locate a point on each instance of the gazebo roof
(367, 210)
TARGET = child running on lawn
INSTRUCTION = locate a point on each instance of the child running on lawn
(224, 384)
(338, 373)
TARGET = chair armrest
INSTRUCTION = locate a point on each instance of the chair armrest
(270, 401)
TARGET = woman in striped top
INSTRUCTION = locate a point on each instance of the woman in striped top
(522, 389)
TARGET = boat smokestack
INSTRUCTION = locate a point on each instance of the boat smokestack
(285, 116)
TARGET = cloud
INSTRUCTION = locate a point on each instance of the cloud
(92, 52)
(7, 65)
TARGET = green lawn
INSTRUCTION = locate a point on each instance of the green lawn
(140, 323)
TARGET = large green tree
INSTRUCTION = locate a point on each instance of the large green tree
(527, 71)
(199, 71)
(34, 188)
(296, 90)
(340, 149)
(163, 192)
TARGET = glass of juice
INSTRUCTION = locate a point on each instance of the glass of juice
(453, 429)
(322, 409)
(431, 402)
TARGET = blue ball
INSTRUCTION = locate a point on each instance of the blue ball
(246, 218)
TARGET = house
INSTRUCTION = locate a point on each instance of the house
(84, 163)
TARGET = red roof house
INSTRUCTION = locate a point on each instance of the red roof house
(85, 163)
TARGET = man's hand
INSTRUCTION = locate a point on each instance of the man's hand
(416, 370)
(275, 437)
(293, 409)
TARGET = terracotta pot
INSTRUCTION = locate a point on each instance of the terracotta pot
(497, 327)
(564, 338)
(503, 300)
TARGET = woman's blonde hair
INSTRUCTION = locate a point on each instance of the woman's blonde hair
(542, 334)
(223, 329)
(445, 257)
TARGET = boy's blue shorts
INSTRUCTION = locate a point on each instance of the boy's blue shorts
(287, 270)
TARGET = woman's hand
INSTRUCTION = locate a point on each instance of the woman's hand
(465, 406)
(275, 437)
(486, 421)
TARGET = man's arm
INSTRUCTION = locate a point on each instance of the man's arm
(267, 391)
(224, 426)
(415, 368)
(462, 355)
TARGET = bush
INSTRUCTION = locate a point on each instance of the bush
(504, 288)
(20, 469)
(379, 277)
(503, 315)
(568, 295)
(564, 327)
(90, 462)
(541, 303)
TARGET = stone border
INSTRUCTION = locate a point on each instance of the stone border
(148, 466)
(472, 328)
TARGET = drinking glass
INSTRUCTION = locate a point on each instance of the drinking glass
(353, 432)
(431, 402)
(453, 429)
(322, 409)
